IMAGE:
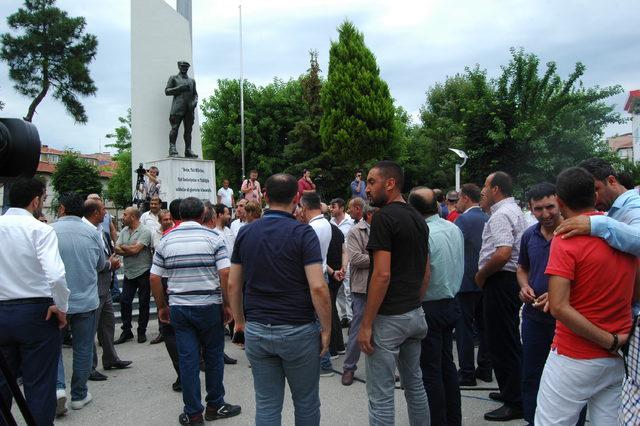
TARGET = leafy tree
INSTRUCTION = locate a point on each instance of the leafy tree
(358, 122)
(52, 53)
(122, 134)
(75, 174)
(527, 123)
(271, 112)
(119, 187)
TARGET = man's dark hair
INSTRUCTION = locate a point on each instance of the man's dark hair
(503, 181)
(338, 201)
(426, 205)
(73, 203)
(24, 190)
(174, 208)
(219, 208)
(281, 188)
(253, 171)
(191, 208)
(541, 190)
(472, 191)
(390, 169)
(625, 179)
(440, 196)
(575, 187)
(90, 208)
(598, 168)
(311, 200)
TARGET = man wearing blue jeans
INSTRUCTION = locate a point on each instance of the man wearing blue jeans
(81, 250)
(276, 289)
(394, 324)
(195, 261)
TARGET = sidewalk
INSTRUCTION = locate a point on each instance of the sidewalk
(142, 394)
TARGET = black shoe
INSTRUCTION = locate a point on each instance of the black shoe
(222, 412)
(142, 337)
(158, 339)
(484, 375)
(229, 360)
(177, 385)
(467, 381)
(118, 365)
(183, 419)
(67, 342)
(496, 396)
(97, 377)
(126, 335)
(345, 323)
(504, 414)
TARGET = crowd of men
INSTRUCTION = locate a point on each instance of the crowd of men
(552, 306)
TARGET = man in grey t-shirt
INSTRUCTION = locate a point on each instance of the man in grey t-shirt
(134, 244)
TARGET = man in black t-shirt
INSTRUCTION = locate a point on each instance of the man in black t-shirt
(394, 324)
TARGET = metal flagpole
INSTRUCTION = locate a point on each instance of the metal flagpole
(241, 98)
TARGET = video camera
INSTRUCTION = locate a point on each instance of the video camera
(140, 171)
(19, 149)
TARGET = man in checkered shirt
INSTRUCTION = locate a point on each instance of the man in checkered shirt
(621, 230)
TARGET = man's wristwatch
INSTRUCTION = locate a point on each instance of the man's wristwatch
(614, 345)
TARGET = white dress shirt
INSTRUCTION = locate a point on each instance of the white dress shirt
(323, 231)
(30, 262)
(344, 226)
(236, 225)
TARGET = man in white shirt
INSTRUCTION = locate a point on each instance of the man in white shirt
(344, 222)
(240, 217)
(151, 221)
(312, 214)
(223, 217)
(33, 299)
(225, 195)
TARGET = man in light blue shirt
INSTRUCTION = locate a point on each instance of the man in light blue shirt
(81, 251)
(621, 230)
(446, 262)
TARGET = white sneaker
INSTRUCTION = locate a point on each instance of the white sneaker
(76, 405)
(61, 404)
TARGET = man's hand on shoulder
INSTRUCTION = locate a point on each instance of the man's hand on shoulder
(577, 225)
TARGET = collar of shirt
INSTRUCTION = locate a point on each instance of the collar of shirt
(72, 219)
(471, 208)
(496, 206)
(320, 216)
(85, 220)
(346, 218)
(279, 213)
(16, 211)
(621, 201)
(433, 218)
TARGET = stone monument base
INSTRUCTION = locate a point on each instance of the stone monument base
(186, 177)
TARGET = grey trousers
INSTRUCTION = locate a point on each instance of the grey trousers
(105, 329)
(397, 339)
(353, 348)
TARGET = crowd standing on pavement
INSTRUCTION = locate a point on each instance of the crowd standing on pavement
(552, 305)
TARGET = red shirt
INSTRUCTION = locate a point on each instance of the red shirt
(304, 185)
(602, 282)
(453, 216)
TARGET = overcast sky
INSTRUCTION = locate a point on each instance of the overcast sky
(416, 43)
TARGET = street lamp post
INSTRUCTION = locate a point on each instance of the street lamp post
(462, 155)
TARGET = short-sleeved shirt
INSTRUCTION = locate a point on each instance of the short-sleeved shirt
(226, 196)
(503, 229)
(534, 255)
(322, 228)
(273, 253)
(134, 266)
(446, 258)
(254, 193)
(354, 189)
(602, 283)
(190, 256)
(399, 229)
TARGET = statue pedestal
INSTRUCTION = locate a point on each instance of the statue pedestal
(186, 177)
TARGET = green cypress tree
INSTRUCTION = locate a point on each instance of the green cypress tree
(358, 123)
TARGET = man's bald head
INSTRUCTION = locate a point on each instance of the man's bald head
(94, 197)
(424, 200)
(133, 211)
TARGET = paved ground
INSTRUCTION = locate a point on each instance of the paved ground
(142, 395)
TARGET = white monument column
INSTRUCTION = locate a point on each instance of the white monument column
(160, 37)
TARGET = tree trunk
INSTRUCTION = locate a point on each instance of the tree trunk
(36, 101)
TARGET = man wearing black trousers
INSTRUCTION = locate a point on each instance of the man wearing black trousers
(497, 277)
(471, 222)
(336, 265)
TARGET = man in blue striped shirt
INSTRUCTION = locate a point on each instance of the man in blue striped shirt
(196, 263)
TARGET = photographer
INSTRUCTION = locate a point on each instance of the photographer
(149, 186)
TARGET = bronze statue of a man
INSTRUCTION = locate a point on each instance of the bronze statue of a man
(185, 99)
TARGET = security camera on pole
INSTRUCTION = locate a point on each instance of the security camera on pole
(460, 153)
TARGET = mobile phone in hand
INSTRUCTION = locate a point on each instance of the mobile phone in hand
(238, 337)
